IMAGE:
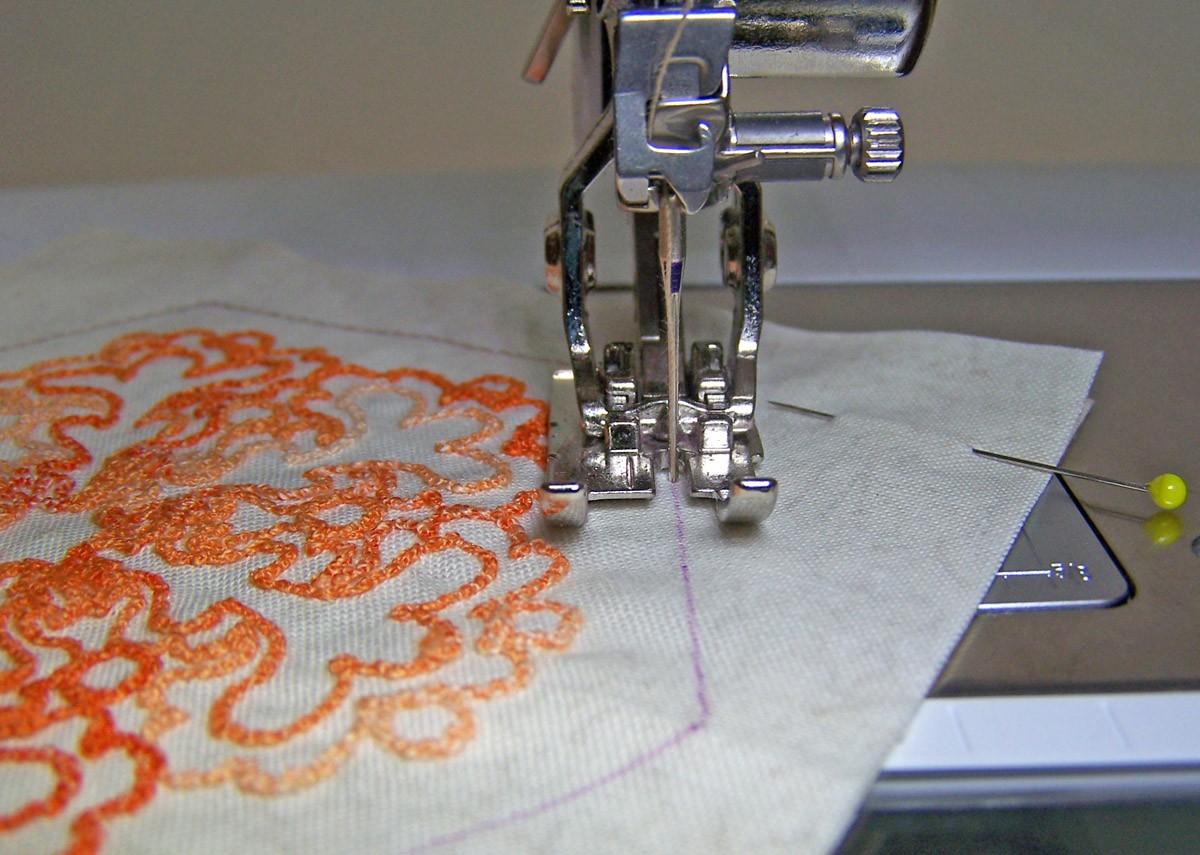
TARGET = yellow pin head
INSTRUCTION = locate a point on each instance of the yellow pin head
(1168, 491)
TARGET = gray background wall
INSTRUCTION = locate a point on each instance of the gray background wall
(114, 90)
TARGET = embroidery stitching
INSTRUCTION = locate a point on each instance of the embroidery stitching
(165, 495)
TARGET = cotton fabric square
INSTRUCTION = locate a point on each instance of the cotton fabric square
(689, 687)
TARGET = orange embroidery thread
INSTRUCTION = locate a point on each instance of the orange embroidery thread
(91, 637)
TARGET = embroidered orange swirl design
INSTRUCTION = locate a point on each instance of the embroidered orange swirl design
(99, 662)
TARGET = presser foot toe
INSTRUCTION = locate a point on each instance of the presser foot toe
(750, 500)
(563, 505)
(621, 458)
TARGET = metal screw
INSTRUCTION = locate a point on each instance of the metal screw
(876, 144)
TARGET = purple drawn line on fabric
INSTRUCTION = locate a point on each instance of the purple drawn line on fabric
(641, 760)
(557, 802)
(690, 605)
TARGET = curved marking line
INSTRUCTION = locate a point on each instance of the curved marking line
(642, 759)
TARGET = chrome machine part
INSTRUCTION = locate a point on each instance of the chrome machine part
(828, 38)
(654, 97)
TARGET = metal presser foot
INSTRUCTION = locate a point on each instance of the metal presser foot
(653, 86)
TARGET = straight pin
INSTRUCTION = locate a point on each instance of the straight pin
(1168, 491)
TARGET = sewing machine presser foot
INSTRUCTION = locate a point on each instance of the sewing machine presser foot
(614, 423)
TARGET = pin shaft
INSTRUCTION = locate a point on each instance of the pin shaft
(1168, 490)
(796, 408)
(1058, 470)
(1003, 458)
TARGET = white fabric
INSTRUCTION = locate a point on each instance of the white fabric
(730, 689)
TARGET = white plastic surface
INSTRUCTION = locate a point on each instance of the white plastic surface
(1052, 732)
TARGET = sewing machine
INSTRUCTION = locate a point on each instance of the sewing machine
(653, 88)
(1038, 706)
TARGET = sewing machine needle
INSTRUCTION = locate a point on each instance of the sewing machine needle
(670, 259)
